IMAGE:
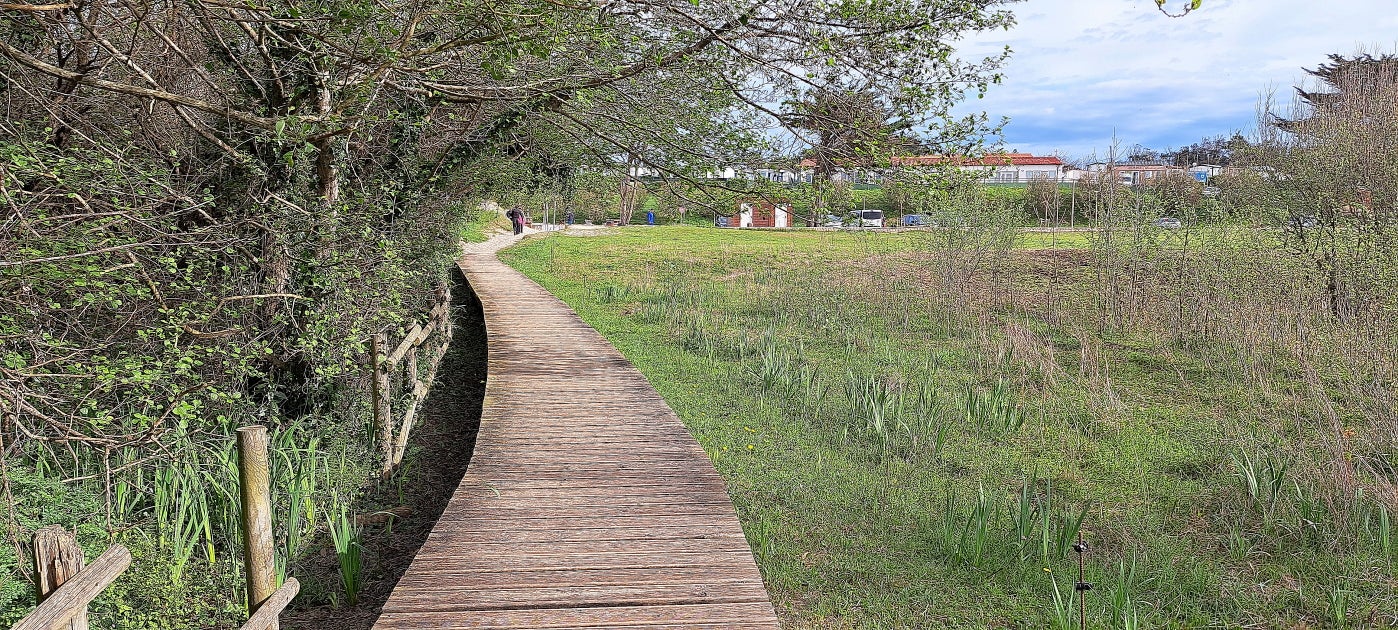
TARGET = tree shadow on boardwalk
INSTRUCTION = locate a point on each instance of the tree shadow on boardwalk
(441, 447)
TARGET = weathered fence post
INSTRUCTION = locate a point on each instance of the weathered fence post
(57, 558)
(256, 492)
(383, 412)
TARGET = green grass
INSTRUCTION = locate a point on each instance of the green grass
(904, 452)
(483, 224)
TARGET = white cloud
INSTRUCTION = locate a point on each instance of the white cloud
(1084, 68)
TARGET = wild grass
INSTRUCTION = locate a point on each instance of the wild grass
(913, 451)
(346, 536)
(180, 510)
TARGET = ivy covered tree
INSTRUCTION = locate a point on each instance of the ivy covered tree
(266, 143)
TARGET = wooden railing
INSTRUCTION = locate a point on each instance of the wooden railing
(393, 444)
(65, 587)
(266, 616)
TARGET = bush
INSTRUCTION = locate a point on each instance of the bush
(1177, 194)
(1045, 201)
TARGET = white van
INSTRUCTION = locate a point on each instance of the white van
(869, 218)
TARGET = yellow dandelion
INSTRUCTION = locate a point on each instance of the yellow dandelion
(750, 447)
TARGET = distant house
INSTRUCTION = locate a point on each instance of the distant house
(780, 175)
(995, 168)
(1138, 173)
(1203, 172)
(722, 172)
(1000, 168)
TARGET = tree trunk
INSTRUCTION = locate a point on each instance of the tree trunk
(628, 189)
(326, 173)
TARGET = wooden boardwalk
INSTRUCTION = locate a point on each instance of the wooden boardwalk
(586, 504)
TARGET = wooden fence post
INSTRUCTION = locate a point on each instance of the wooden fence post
(254, 483)
(57, 557)
(383, 411)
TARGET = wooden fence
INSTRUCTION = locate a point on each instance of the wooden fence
(65, 587)
(438, 329)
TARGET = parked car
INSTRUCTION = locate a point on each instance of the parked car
(1169, 223)
(833, 221)
(915, 220)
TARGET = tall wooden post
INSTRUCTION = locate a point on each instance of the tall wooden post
(383, 412)
(254, 483)
(57, 558)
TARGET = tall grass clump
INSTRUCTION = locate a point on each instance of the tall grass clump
(993, 412)
(876, 408)
(346, 536)
(968, 528)
(1263, 477)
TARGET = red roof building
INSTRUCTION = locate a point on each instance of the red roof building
(1006, 168)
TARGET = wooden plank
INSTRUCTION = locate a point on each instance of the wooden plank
(267, 613)
(400, 445)
(735, 590)
(644, 495)
(410, 341)
(599, 617)
(518, 522)
(485, 551)
(469, 580)
(478, 539)
(727, 625)
(596, 511)
(496, 485)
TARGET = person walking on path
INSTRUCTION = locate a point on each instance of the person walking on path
(516, 220)
(650, 218)
(570, 217)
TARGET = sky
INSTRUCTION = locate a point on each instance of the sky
(1083, 69)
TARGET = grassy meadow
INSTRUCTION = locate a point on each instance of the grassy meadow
(916, 426)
